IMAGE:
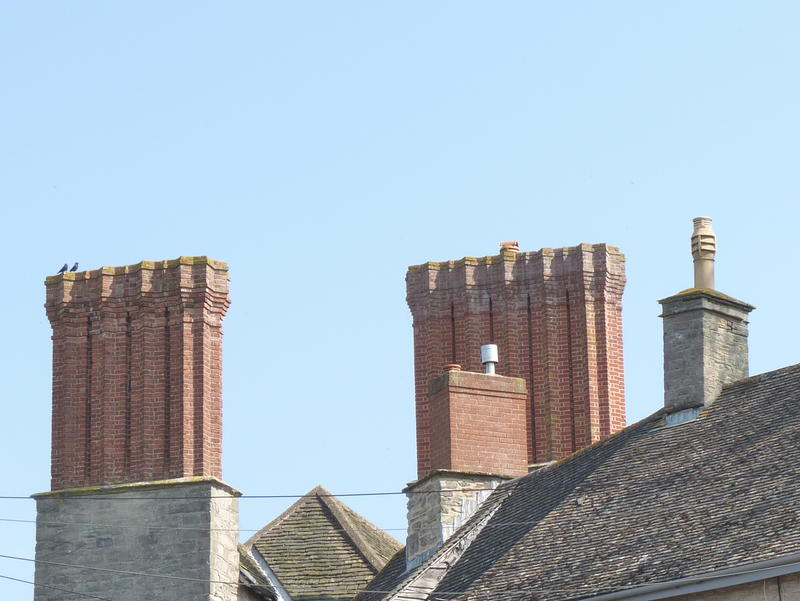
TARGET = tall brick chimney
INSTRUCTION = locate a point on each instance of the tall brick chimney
(705, 332)
(556, 316)
(137, 372)
(137, 436)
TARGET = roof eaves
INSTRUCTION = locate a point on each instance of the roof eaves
(252, 577)
(271, 577)
(742, 574)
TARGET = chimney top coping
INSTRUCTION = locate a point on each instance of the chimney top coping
(514, 256)
(110, 489)
(692, 293)
(455, 474)
(478, 381)
(142, 265)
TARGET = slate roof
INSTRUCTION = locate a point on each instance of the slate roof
(650, 504)
(319, 548)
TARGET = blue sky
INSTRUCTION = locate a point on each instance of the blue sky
(322, 147)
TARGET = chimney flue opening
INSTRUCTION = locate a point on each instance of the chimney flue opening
(489, 357)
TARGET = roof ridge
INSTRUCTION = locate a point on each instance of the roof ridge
(340, 511)
(314, 493)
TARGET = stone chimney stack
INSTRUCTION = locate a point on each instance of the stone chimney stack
(705, 332)
(137, 436)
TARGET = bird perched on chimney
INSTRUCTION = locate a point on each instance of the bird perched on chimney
(63, 269)
(74, 267)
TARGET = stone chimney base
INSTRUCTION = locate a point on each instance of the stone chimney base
(438, 505)
(183, 533)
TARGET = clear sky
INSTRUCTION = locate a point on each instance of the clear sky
(322, 147)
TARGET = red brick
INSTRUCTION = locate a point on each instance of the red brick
(137, 378)
(477, 423)
(556, 316)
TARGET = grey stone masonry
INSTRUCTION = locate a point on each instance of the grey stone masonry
(705, 346)
(160, 541)
(438, 504)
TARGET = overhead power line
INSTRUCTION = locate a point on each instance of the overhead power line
(117, 497)
(288, 529)
(116, 571)
(157, 527)
(56, 588)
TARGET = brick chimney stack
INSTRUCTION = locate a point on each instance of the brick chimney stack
(137, 436)
(705, 332)
(478, 440)
(556, 316)
(137, 372)
(478, 423)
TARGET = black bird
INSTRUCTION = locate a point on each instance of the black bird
(63, 269)
(74, 267)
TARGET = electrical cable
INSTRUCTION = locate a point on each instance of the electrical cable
(156, 527)
(55, 588)
(289, 529)
(115, 571)
(116, 497)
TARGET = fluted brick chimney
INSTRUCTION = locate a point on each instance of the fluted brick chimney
(705, 332)
(137, 372)
(556, 316)
(137, 436)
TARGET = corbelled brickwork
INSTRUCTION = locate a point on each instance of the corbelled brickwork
(182, 535)
(705, 346)
(556, 316)
(137, 372)
(478, 424)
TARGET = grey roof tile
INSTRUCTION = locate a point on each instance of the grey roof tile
(321, 549)
(649, 504)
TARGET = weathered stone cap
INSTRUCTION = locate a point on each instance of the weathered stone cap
(692, 293)
(455, 474)
(112, 489)
(140, 266)
(509, 255)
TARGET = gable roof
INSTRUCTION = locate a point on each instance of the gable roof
(319, 548)
(653, 503)
(253, 579)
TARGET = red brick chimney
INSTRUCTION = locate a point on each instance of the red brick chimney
(478, 423)
(556, 316)
(137, 372)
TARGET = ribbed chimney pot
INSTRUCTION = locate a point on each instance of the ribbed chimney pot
(704, 249)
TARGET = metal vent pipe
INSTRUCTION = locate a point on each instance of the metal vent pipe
(489, 357)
